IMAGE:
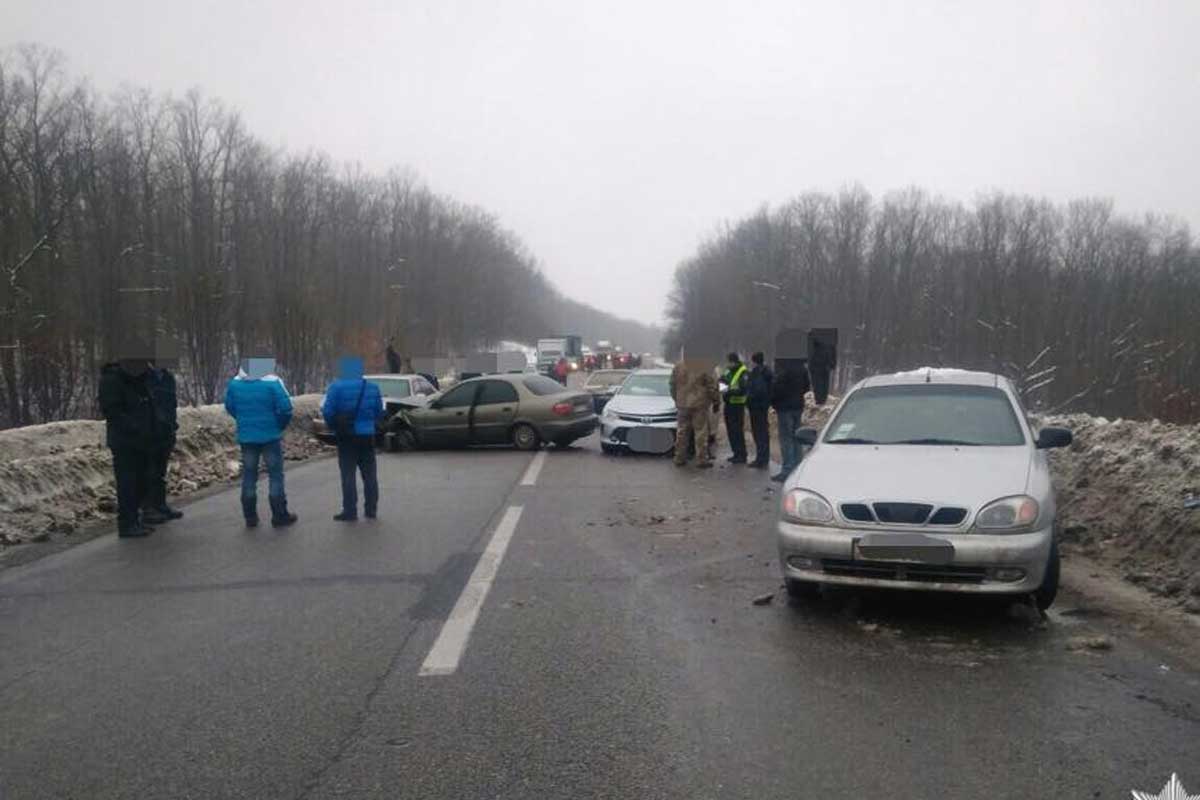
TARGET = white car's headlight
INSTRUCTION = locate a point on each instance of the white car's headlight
(609, 413)
(1008, 513)
(801, 505)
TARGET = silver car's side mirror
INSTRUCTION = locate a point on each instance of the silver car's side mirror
(806, 436)
(1050, 438)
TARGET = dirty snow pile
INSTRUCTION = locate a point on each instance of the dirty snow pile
(1121, 490)
(57, 476)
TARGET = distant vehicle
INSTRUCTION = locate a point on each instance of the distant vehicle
(522, 410)
(494, 363)
(626, 361)
(641, 415)
(602, 384)
(399, 392)
(550, 350)
(929, 480)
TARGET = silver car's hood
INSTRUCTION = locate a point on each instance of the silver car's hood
(633, 404)
(964, 476)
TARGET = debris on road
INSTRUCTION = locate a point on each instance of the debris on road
(1089, 643)
(763, 599)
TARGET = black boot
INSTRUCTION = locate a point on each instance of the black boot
(250, 511)
(154, 516)
(169, 513)
(134, 531)
(280, 516)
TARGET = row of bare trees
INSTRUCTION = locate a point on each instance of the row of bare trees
(138, 212)
(1087, 310)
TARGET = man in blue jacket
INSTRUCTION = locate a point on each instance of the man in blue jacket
(352, 406)
(262, 409)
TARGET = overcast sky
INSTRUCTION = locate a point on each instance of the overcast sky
(613, 136)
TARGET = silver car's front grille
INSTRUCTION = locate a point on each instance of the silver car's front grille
(903, 513)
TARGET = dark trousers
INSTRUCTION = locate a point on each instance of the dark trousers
(762, 435)
(156, 477)
(820, 383)
(735, 429)
(131, 469)
(358, 455)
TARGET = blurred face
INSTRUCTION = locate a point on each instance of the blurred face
(134, 366)
(350, 368)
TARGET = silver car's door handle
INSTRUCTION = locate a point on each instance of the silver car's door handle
(506, 408)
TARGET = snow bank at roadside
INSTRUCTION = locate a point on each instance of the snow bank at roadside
(1121, 488)
(57, 476)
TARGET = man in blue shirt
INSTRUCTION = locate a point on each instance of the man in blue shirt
(258, 402)
(352, 406)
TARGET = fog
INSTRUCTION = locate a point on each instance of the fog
(613, 137)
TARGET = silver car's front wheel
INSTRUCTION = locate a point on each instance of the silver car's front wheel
(1045, 594)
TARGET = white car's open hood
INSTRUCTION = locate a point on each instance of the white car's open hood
(961, 476)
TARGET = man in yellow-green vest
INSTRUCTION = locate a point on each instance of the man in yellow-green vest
(734, 393)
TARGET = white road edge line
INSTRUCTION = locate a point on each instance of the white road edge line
(447, 651)
(534, 469)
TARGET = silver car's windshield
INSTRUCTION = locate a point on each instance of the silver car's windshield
(927, 414)
(647, 386)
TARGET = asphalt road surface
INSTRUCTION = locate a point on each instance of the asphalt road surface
(566, 625)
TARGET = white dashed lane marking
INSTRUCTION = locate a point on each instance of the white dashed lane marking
(448, 650)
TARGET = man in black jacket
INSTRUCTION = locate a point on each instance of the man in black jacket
(787, 398)
(758, 402)
(164, 397)
(125, 400)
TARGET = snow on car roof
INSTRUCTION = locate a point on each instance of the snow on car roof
(935, 375)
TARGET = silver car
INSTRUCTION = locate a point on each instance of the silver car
(930, 480)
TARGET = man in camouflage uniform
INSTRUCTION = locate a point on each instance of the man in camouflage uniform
(694, 390)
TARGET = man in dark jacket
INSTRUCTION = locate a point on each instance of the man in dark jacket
(125, 400)
(393, 359)
(758, 402)
(787, 398)
(735, 407)
(165, 400)
(358, 402)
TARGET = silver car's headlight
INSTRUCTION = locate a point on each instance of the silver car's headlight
(609, 414)
(1008, 514)
(801, 505)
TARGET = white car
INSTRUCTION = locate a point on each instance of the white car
(931, 480)
(398, 391)
(641, 415)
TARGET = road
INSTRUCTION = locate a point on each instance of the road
(566, 625)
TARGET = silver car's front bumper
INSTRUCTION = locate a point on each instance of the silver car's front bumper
(829, 555)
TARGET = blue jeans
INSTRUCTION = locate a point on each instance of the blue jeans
(273, 453)
(789, 448)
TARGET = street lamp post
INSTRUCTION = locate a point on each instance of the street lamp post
(777, 298)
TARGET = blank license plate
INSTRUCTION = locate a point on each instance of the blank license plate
(916, 548)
